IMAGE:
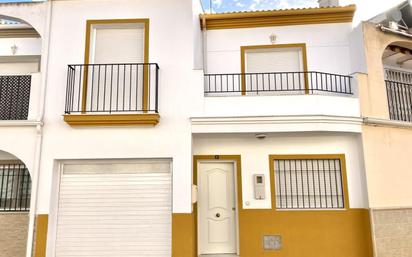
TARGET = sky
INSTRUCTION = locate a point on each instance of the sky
(365, 8)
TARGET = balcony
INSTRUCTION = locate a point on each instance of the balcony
(399, 93)
(15, 97)
(291, 95)
(112, 94)
(277, 83)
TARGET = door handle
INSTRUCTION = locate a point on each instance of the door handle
(217, 215)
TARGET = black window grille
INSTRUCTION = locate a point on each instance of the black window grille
(399, 100)
(14, 97)
(309, 184)
(15, 187)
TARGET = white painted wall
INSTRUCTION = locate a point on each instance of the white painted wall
(19, 141)
(25, 46)
(327, 46)
(35, 94)
(255, 158)
(197, 35)
(19, 68)
(6, 156)
(280, 105)
(357, 51)
(178, 86)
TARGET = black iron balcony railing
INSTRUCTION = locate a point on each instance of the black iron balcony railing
(288, 82)
(15, 187)
(14, 97)
(112, 88)
(399, 100)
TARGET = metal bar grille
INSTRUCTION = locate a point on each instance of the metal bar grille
(14, 97)
(398, 76)
(399, 100)
(309, 184)
(289, 82)
(15, 187)
(112, 88)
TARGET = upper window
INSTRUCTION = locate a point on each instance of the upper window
(274, 68)
(117, 43)
(273, 59)
(309, 182)
(116, 85)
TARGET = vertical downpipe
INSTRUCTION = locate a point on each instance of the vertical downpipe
(39, 132)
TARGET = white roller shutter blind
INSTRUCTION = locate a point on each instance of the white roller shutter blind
(119, 44)
(274, 60)
(115, 210)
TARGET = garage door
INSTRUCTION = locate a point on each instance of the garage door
(115, 209)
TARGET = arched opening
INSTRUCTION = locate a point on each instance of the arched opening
(15, 197)
(15, 184)
(397, 63)
(20, 59)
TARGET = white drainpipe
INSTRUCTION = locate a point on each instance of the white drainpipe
(39, 130)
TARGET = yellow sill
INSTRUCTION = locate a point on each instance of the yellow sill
(112, 119)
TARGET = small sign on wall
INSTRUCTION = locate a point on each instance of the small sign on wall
(272, 242)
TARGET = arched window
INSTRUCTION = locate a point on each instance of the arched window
(15, 186)
(397, 62)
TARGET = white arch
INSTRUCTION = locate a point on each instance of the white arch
(14, 157)
(34, 14)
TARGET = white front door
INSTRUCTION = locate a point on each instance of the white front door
(216, 208)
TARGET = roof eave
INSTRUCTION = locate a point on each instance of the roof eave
(278, 17)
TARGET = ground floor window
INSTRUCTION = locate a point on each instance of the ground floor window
(309, 182)
(15, 187)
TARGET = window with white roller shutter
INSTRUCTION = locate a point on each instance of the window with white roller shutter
(118, 43)
(273, 60)
(115, 209)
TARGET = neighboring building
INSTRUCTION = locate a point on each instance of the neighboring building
(21, 74)
(149, 128)
(382, 49)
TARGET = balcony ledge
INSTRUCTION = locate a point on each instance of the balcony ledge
(20, 123)
(112, 119)
(287, 123)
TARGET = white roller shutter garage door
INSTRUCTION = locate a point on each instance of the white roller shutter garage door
(114, 209)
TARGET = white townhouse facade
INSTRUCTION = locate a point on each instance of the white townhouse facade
(155, 129)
